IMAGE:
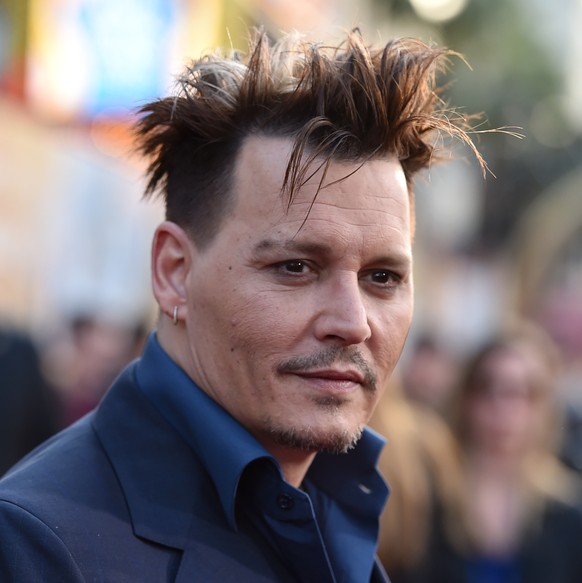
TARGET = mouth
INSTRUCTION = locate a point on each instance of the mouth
(335, 370)
(331, 380)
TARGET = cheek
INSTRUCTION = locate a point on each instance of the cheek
(259, 325)
(477, 418)
(390, 333)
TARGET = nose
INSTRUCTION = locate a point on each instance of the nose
(342, 315)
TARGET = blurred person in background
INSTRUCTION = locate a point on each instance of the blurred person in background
(519, 518)
(84, 358)
(561, 315)
(428, 373)
(236, 447)
(28, 405)
(420, 462)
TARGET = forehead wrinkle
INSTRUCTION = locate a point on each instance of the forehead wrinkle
(339, 202)
(318, 204)
(340, 227)
(321, 224)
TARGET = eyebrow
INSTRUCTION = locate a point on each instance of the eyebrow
(293, 245)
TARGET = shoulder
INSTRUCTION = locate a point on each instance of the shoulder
(40, 502)
(551, 551)
(47, 559)
(71, 466)
(562, 516)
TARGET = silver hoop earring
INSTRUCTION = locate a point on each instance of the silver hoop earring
(175, 316)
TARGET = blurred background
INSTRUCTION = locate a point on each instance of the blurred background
(75, 235)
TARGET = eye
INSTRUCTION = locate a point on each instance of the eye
(295, 266)
(295, 271)
(384, 278)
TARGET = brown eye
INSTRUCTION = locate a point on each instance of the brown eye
(295, 272)
(382, 276)
(294, 266)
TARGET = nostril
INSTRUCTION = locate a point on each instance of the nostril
(342, 315)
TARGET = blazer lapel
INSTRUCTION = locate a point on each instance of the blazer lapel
(157, 471)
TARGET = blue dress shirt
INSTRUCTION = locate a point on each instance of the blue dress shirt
(326, 531)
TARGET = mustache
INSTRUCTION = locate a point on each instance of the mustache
(329, 356)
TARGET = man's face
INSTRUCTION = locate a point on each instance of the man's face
(296, 317)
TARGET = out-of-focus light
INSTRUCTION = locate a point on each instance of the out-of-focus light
(438, 10)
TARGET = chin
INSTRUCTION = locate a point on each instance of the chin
(313, 439)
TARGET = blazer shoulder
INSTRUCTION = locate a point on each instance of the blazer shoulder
(68, 472)
(31, 550)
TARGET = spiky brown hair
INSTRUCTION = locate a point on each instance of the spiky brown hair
(350, 102)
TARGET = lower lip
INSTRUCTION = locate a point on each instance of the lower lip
(329, 385)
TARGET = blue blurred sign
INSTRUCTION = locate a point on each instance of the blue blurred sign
(128, 43)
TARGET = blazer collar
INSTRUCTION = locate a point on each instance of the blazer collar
(155, 468)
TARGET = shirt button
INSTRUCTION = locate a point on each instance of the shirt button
(285, 502)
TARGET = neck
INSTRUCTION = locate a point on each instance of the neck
(294, 462)
(172, 339)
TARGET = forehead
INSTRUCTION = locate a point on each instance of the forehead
(371, 195)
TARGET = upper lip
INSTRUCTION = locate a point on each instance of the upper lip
(336, 375)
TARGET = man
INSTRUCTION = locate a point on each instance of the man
(235, 449)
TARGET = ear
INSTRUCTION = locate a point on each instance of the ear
(172, 254)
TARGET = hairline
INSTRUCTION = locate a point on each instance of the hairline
(308, 160)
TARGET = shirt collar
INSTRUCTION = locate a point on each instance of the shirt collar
(226, 447)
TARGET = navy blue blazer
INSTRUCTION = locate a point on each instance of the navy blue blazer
(122, 498)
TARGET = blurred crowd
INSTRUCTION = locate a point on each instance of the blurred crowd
(483, 460)
(47, 385)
